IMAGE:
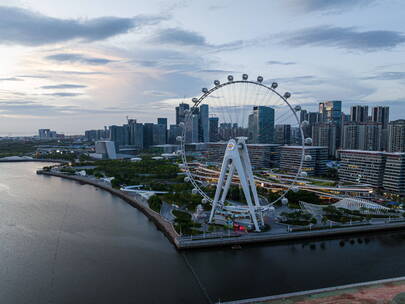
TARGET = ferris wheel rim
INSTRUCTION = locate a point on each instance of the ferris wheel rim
(206, 93)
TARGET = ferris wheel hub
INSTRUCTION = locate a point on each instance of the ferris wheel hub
(236, 158)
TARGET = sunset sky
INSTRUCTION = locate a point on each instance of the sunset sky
(76, 65)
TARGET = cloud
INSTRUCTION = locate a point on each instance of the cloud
(328, 5)
(169, 60)
(216, 71)
(33, 76)
(181, 37)
(30, 108)
(36, 109)
(304, 79)
(159, 93)
(69, 57)
(76, 72)
(64, 86)
(275, 62)
(218, 7)
(345, 37)
(22, 26)
(11, 79)
(387, 76)
(64, 94)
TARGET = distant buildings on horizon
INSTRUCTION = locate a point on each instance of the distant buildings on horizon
(329, 127)
(371, 148)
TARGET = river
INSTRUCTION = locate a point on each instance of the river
(63, 242)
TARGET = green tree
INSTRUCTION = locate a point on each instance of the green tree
(155, 203)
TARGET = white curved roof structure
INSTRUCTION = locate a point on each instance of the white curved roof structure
(365, 206)
(357, 204)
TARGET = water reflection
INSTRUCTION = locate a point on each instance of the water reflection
(63, 242)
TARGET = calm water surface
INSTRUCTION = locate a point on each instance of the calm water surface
(62, 242)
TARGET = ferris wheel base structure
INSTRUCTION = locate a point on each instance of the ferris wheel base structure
(230, 107)
(236, 158)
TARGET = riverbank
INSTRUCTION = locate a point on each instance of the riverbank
(381, 291)
(61, 161)
(183, 242)
(166, 227)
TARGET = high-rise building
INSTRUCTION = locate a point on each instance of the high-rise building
(296, 137)
(382, 170)
(350, 136)
(394, 173)
(163, 121)
(261, 155)
(359, 166)
(174, 131)
(135, 134)
(362, 136)
(147, 135)
(371, 136)
(48, 134)
(345, 118)
(396, 136)
(119, 135)
(331, 111)
(213, 129)
(159, 134)
(90, 135)
(181, 112)
(381, 114)
(225, 131)
(43, 133)
(303, 115)
(359, 113)
(204, 135)
(192, 134)
(93, 135)
(312, 118)
(261, 125)
(324, 134)
(282, 134)
(290, 159)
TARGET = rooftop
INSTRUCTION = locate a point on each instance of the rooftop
(373, 152)
(305, 147)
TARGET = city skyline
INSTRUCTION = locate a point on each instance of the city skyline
(87, 66)
(172, 144)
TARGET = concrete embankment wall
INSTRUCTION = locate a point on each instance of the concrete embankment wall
(34, 160)
(155, 217)
(289, 297)
(251, 238)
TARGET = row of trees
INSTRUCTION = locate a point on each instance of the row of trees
(155, 173)
(299, 218)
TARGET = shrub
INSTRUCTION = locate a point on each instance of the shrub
(155, 203)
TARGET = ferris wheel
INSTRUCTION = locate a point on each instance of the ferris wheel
(244, 116)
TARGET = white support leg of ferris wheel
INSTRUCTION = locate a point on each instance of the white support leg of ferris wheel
(237, 157)
(248, 168)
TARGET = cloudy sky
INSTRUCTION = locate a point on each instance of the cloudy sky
(76, 65)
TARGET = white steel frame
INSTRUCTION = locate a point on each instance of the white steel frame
(207, 198)
(237, 158)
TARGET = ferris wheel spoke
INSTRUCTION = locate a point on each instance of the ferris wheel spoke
(233, 103)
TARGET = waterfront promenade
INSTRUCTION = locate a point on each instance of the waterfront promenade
(224, 239)
(374, 292)
(134, 200)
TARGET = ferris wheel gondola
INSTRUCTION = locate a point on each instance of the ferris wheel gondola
(231, 102)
